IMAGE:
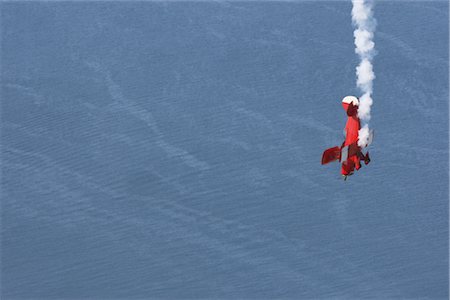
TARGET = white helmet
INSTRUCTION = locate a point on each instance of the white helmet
(351, 99)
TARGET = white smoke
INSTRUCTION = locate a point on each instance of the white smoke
(365, 102)
(365, 23)
(365, 76)
(363, 136)
(363, 41)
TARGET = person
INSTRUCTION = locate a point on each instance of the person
(351, 132)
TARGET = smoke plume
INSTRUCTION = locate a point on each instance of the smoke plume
(365, 23)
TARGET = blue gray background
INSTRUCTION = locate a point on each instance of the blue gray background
(172, 150)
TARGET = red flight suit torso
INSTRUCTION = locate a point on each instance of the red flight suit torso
(351, 137)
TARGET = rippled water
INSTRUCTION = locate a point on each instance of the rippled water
(172, 150)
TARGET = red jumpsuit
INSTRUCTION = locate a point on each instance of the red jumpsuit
(351, 139)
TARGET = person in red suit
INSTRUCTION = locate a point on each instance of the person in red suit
(352, 127)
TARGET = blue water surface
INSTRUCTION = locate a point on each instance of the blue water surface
(172, 150)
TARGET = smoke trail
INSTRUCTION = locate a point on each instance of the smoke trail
(365, 23)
